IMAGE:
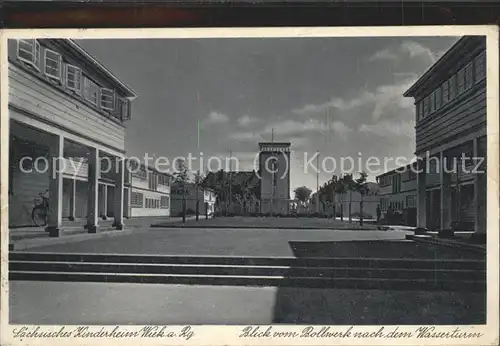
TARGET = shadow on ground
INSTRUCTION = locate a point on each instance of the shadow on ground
(379, 249)
(373, 307)
(377, 306)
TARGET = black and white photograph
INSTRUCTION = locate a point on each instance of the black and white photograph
(298, 186)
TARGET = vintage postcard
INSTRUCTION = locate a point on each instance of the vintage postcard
(250, 186)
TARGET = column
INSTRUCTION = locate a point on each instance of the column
(105, 202)
(93, 191)
(421, 194)
(72, 201)
(445, 193)
(118, 192)
(480, 176)
(54, 214)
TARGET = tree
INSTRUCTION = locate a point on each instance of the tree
(340, 189)
(302, 193)
(350, 186)
(198, 180)
(181, 178)
(361, 187)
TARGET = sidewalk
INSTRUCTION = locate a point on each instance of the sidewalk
(248, 222)
(74, 231)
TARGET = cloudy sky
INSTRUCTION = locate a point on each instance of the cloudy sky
(339, 96)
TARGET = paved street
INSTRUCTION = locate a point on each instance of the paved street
(100, 303)
(237, 242)
(273, 222)
(260, 242)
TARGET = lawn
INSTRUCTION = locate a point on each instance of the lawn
(270, 222)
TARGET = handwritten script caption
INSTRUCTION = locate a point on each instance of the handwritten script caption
(357, 333)
(185, 333)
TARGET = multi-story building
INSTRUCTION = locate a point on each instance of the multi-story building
(149, 191)
(450, 102)
(191, 194)
(64, 104)
(274, 172)
(398, 191)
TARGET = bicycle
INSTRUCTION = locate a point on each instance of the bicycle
(39, 214)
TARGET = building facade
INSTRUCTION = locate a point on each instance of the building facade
(450, 102)
(66, 114)
(398, 191)
(274, 172)
(149, 191)
(192, 195)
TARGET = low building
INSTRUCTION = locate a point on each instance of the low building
(67, 113)
(450, 104)
(149, 191)
(193, 196)
(398, 191)
(370, 202)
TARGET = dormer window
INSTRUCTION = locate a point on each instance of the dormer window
(91, 91)
(28, 51)
(53, 63)
(74, 78)
(107, 99)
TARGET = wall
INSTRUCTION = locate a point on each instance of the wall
(467, 115)
(36, 94)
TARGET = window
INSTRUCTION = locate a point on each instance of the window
(396, 183)
(410, 201)
(163, 180)
(107, 99)
(461, 81)
(480, 67)
(53, 64)
(136, 200)
(446, 92)
(438, 98)
(74, 78)
(419, 110)
(152, 182)
(165, 202)
(452, 82)
(433, 102)
(28, 51)
(91, 91)
(469, 76)
(426, 106)
(122, 109)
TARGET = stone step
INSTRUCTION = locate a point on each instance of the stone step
(238, 280)
(248, 270)
(331, 262)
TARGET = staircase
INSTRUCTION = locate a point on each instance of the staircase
(319, 272)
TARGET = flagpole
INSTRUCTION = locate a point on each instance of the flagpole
(230, 179)
(317, 182)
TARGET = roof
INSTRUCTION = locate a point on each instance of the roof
(130, 94)
(453, 54)
(404, 168)
(275, 143)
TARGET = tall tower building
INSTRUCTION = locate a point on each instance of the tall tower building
(274, 171)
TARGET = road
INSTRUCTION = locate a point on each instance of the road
(101, 303)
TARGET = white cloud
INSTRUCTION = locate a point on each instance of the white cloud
(416, 49)
(381, 99)
(337, 103)
(215, 118)
(384, 54)
(246, 120)
(406, 49)
(390, 129)
(292, 129)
